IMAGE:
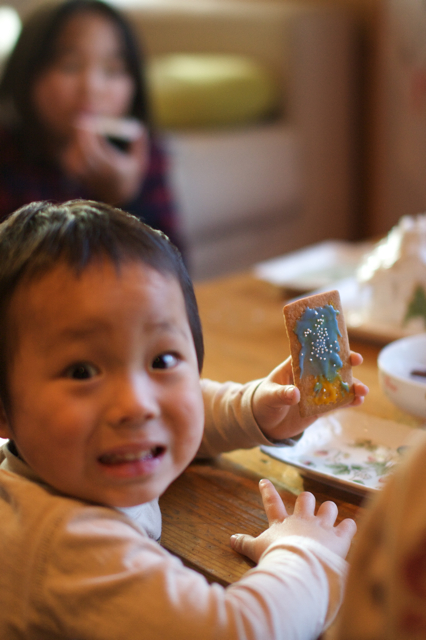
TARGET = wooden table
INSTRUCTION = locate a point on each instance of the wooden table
(245, 339)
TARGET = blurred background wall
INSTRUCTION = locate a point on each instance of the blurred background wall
(374, 204)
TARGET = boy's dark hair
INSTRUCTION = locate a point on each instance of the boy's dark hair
(38, 236)
(35, 51)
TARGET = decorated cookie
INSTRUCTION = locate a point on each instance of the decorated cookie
(320, 352)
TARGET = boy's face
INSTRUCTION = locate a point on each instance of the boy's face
(104, 387)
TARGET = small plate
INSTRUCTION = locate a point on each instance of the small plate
(314, 267)
(348, 449)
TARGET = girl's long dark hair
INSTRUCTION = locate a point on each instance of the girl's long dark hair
(34, 52)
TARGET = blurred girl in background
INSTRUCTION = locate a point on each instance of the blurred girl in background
(76, 68)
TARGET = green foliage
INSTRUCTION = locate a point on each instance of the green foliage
(417, 306)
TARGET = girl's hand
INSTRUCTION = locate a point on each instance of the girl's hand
(276, 398)
(303, 522)
(111, 175)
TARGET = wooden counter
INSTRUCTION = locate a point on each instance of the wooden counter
(245, 339)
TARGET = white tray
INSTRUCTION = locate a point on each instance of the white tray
(348, 449)
(314, 267)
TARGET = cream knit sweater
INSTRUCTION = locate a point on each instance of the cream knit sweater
(86, 572)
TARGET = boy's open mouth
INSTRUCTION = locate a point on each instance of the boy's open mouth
(131, 456)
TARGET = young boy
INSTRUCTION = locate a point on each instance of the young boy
(100, 354)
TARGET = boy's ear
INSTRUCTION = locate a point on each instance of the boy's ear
(5, 430)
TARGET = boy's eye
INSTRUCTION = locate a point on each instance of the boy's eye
(165, 361)
(81, 371)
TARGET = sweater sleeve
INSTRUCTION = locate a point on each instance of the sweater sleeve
(229, 420)
(124, 585)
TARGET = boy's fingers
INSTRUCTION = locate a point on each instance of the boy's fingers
(280, 395)
(356, 358)
(360, 388)
(272, 503)
(347, 527)
(328, 512)
(283, 373)
(305, 504)
(290, 394)
(242, 543)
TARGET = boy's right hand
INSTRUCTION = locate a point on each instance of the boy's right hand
(303, 522)
(275, 402)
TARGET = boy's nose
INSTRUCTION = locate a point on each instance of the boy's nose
(133, 401)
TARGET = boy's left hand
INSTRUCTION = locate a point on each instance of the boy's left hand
(276, 398)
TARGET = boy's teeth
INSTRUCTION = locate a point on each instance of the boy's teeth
(116, 458)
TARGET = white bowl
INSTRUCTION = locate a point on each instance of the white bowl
(396, 363)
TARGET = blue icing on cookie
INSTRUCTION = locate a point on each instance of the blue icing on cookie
(318, 333)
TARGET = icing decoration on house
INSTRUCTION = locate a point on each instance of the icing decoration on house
(318, 333)
(392, 277)
(417, 305)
